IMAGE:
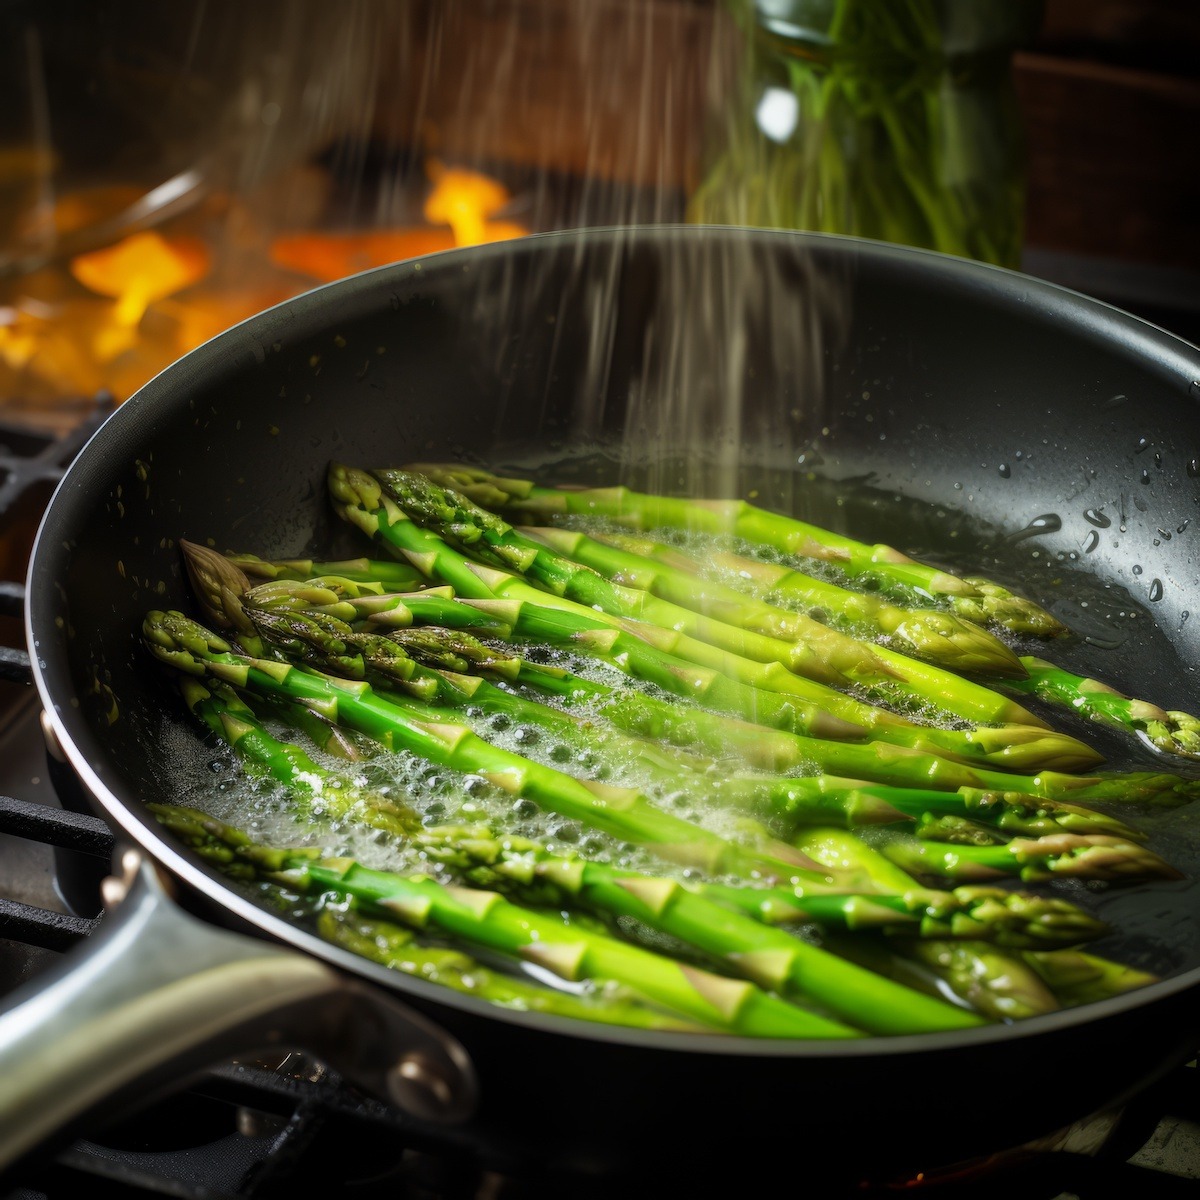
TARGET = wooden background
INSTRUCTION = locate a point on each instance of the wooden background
(613, 93)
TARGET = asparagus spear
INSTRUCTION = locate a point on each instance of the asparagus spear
(617, 561)
(975, 599)
(398, 949)
(567, 949)
(931, 634)
(995, 982)
(1018, 920)
(620, 812)
(1076, 977)
(1171, 732)
(719, 680)
(816, 652)
(393, 575)
(324, 793)
(219, 585)
(1082, 856)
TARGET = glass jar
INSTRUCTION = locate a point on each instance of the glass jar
(890, 120)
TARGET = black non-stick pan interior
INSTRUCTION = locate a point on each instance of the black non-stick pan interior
(973, 416)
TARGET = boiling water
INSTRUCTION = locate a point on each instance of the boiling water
(1154, 925)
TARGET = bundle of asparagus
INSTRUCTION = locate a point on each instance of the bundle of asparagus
(768, 825)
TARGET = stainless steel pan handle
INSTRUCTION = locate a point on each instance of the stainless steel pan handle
(156, 993)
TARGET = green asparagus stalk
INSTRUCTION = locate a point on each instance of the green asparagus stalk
(659, 574)
(1017, 920)
(623, 813)
(1076, 977)
(395, 577)
(931, 634)
(397, 948)
(1081, 856)
(219, 585)
(975, 599)
(480, 918)
(323, 794)
(815, 652)
(1170, 732)
(996, 982)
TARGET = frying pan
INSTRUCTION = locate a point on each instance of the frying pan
(970, 414)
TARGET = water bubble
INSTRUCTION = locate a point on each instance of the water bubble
(1156, 590)
(1193, 467)
(1184, 525)
(1137, 570)
(1091, 542)
(1143, 444)
(1162, 533)
(1145, 476)
(1097, 518)
(1139, 503)
(1004, 470)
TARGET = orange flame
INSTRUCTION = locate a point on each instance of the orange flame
(138, 307)
(457, 209)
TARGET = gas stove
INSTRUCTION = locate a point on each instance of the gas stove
(257, 1128)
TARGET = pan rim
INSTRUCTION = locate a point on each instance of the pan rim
(1168, 351)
